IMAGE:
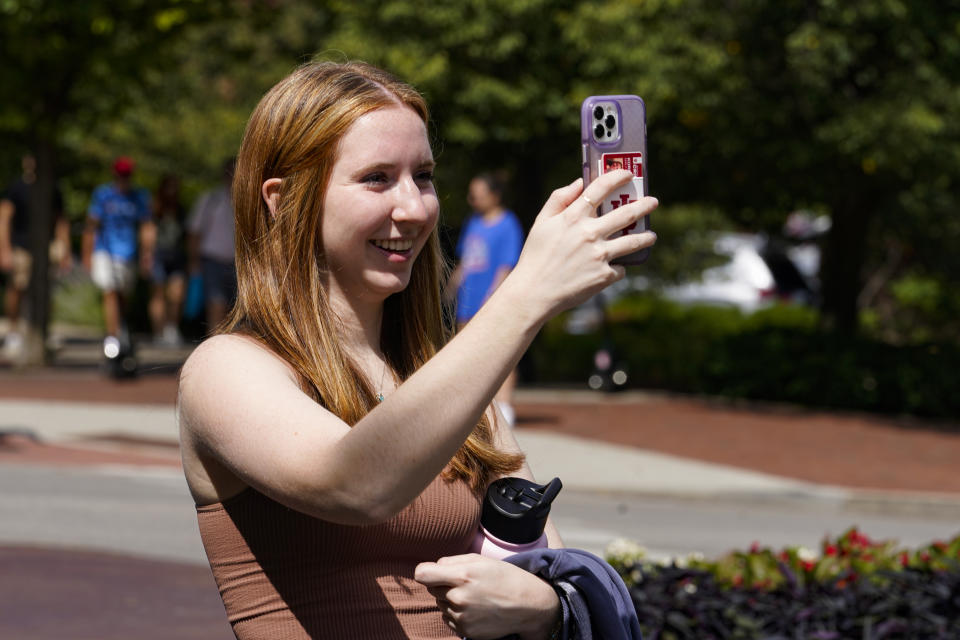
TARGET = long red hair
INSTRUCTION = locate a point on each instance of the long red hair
(294, 134)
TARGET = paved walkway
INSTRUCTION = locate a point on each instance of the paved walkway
(628, 442)
(767, 443)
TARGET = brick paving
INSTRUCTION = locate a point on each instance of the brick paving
(19, 449)
(850, 450)
(51, 594)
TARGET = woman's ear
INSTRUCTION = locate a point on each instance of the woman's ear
(271, 194)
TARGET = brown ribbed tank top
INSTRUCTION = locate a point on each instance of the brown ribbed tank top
(284, 575)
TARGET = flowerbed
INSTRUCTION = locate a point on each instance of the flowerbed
(854, 588)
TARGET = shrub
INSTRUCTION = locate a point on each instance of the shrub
(818, 369)
(776, 354)
(75, 300)
(855, 588)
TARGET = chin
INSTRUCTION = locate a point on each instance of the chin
(389, 286)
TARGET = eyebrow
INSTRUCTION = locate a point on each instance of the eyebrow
(385, 166)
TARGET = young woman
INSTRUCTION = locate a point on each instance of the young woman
(335, 444)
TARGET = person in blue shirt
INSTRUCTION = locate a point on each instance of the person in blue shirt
(118, 230)
(488, 249)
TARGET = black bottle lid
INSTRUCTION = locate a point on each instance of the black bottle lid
(515, 510)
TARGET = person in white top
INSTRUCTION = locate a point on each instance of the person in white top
(210, 250)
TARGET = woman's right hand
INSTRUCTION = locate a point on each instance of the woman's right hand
(566, 258)
(483, 598)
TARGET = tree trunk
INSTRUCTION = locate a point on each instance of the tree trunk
(840, 273)
(527, 186)
(41, 227)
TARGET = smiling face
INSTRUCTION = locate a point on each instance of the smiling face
(380, 205)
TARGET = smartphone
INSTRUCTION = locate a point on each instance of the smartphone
(613, 134)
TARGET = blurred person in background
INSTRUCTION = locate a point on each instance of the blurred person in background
(168, 277)
(487, 251)
(16, 261)
(210, 247)
(117, 231)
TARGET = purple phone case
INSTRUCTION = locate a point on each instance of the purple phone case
(632, 118)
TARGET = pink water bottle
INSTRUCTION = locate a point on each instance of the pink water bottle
(514, 514)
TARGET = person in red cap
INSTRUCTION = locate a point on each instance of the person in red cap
(123, 167)
(118, 228)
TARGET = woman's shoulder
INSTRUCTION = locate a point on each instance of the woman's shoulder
(230, 362)
(225, 346)
(226, 379)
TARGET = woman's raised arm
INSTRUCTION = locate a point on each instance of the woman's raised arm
(247, 413)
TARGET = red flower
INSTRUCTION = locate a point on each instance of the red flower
(755, 547)
(904, 559)
(857, 539)
(808, 565)
(830, 550)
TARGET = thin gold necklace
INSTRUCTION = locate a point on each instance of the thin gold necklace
(383, 374)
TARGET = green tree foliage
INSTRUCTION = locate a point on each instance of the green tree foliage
(186, 115)
(755, 108)
(73, 64)
(764, 107)
(81, 61)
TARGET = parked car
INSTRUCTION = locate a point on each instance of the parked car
(757, 272)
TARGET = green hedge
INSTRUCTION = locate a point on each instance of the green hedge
(777, 354)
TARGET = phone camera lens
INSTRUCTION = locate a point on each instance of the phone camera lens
(611, 122)
(598, 113)
(598, 131)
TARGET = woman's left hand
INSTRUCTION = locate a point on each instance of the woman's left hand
(482, 598)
